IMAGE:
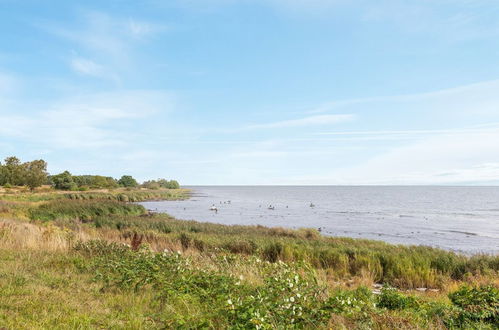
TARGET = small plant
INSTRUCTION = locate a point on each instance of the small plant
(477, 303)
(136, 241)
(185, 241)
(390, 298)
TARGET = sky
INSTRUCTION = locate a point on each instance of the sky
(289, 92)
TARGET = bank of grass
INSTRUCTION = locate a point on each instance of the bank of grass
(121, 194)
(110, 264)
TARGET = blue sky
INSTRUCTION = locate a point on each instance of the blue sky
(254, 92)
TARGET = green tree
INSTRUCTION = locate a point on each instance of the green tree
(151, 184)
(128, 181)
(172, 184)
(35, 173)
(13, 171)
(3, 179)
(63, 181)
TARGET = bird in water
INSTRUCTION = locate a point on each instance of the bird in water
(271, 207)
(312, 204)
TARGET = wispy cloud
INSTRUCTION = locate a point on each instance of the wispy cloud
(86, 67)
(83, 121)
(108, 42)
(450, 20)
(307, 121)
(466, 95)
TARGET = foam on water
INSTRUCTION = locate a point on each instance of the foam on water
(464, 219)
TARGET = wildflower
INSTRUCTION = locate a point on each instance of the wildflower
(229, 302)
(241, 277)
(298, 295)
(292, 299)
(290, 285)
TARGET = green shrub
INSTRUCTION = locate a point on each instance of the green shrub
(477, 303)
(83, 210)
(185, 241)
(391, 299)
(242, 247)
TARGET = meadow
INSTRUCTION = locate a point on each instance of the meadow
(94, 260)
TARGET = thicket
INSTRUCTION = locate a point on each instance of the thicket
(83, 210)
(34, 174)
(161, 183)
(31, 174)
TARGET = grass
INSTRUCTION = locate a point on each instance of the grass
(102, 262)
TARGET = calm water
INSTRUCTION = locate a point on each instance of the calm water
(462, 219)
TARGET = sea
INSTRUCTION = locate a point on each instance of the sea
(461, 219)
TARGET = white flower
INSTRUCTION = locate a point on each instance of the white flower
(298, 295)
(290, 285)
(292, 299)
(229, 302)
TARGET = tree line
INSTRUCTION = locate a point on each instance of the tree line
(34, 174)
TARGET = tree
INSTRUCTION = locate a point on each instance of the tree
(128, 181)
(172, 184)
(13, 171)
(3, 179)
(35, 173)
(151, 184)
(63, 181)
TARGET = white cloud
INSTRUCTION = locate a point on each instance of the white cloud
(307, 121)
(90, 120)
(449, 20)
(109, 42)
(86, 67)
(143, 29)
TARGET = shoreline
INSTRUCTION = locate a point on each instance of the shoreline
(411, 230)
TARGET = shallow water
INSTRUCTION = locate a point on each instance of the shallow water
(464, 219)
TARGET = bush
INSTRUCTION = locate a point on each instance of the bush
(241, 247)
(391, 299)
(83, 210)
(185, 241)
(128, 181)
(358, 303)
(273, 252)
(477, 303)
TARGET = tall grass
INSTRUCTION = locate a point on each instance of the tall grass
(132, 195)
(172, 274)
(83, 210)
(343, 258)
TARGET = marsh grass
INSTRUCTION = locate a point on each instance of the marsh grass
(89, 262)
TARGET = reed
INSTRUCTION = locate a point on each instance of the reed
(111, 264)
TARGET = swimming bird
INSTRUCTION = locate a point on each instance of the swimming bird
(312, 204)
(271, 207)
(213, 208)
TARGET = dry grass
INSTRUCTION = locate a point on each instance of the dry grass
(22, 235)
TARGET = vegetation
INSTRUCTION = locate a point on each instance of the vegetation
(34, 174)
(31, 174)
(129, 182)
(161, 183)
(94, 260)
